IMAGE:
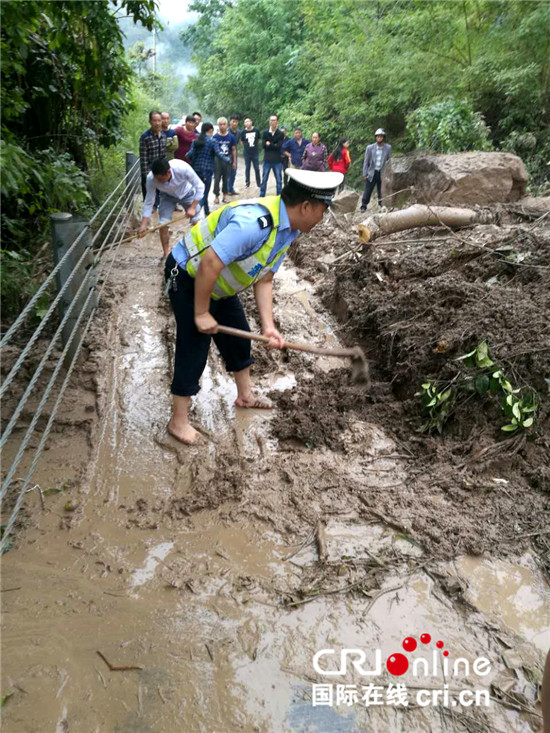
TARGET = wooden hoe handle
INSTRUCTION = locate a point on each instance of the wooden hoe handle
(289, 344)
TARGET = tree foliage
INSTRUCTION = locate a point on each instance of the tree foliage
(347, 67)
(65, 88)
(448, 127)
(64, 78)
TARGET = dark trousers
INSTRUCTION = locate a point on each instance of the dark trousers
(222, 170)
(277, 172)
(192, 346)
(232, 176)
(369, 187)
(206, 178)
(251, 157)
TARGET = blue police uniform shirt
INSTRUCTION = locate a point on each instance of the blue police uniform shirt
(238, 235)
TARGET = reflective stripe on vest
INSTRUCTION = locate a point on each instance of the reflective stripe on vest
(240, 274)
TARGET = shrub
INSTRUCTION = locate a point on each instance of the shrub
(448, 127)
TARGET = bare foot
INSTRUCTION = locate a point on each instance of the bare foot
(186, 434)
(253, 403)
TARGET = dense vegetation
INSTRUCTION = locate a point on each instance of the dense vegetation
(65, 92)
(438, 75)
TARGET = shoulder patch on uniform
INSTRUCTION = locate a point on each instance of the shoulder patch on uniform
(265, 221)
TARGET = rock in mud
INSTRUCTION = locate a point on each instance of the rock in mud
(461, 178)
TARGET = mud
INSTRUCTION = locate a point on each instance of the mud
(222, 569)
(415, 308)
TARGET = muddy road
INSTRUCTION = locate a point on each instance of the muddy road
(218, 571)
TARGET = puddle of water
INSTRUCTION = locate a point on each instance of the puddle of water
(141, 372)
(513, 594)
(281, 382)
(277, 684)
(142, 575)
(352, 540)
(301, 319)
(214, 404)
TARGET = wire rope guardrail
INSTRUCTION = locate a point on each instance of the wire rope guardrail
(28, 309)
(74, 324)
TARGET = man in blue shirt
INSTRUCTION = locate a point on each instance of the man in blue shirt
(240, 233)
(294, 148)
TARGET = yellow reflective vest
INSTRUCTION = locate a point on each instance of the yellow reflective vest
(240, 274)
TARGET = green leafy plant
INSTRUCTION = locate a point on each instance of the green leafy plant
(520, 411)
(438, 402)
(449, 127)
(16, 279)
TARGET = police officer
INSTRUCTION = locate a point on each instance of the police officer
(237, 246)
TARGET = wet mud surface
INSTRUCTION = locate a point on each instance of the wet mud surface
(220, 570)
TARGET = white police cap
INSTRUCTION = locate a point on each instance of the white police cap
(321, 186)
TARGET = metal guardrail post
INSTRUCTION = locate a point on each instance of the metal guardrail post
(135, 204)
(65, 228)
(130, 162)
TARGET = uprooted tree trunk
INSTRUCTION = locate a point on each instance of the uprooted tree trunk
(379, 225)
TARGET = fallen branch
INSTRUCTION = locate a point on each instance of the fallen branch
(382, 592)
(306, 542)
(321, 541)
(308, 599)
(117, 667)
(418, 215)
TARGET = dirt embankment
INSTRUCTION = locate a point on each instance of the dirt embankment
(416, 302)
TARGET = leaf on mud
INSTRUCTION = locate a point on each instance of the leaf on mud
(527, 423)
(466, 356)
(5, 698)
(412, 541)
(482, 384)
(482, 356)
(509, 428)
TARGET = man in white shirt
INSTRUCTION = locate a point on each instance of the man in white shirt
(177, 183)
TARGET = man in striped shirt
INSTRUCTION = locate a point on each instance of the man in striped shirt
(152, 145)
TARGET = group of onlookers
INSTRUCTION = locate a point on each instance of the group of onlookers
(213, 153)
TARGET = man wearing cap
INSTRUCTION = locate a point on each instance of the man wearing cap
(178, 184)
(376, 157)
(237, 246)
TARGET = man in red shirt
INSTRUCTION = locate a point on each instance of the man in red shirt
(186, 135)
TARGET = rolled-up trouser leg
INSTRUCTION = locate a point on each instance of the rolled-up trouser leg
(192, 346)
